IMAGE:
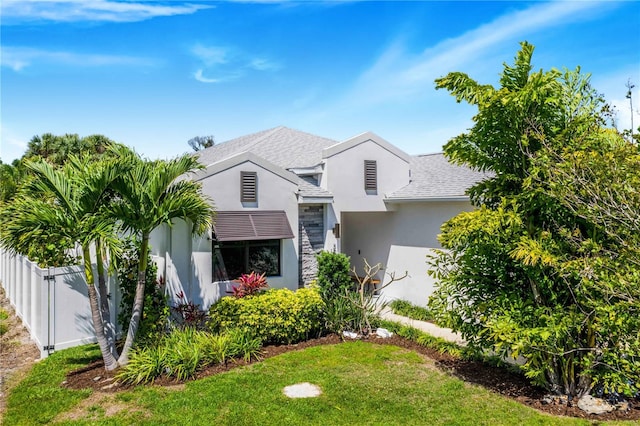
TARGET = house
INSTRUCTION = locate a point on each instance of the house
(283, 195)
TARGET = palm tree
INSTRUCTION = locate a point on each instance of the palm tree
(67, 204)
(152, 193)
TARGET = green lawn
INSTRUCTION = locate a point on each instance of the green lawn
(362, 383)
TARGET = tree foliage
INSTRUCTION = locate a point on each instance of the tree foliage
(56, 150)
(152, 193)
(544, 268)
(63, 207)
(90, 203)
(201, 142)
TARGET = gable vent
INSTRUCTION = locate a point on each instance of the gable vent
(248, 187)
(370, 175)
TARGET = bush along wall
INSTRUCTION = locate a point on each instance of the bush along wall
(276, 316)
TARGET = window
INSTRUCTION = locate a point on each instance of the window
(234, 258)
(248, 187)
(370, 176)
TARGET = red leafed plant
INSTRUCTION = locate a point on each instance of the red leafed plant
(249, 284)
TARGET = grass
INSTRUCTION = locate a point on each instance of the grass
(39, 397)
(409, 310)
(362, 383)
(4, 327)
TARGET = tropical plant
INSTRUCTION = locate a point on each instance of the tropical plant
(533, 271)
(249, 284)
(67, 205)
(183, 352)
(156, 311)
(58, 149)
(152, 193)
(188, 314)
(10, 177)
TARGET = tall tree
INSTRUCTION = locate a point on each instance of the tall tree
(527, 272)
(57, 148)
(61, 207)
(201, 142)
(152, 193)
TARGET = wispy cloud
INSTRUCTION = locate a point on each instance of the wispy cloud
(18, 11)
(19, 58)
(12, 146)
(398, 74)
(218, 64)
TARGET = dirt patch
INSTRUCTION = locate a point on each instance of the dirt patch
(97, 405)
(499, 380)
(17, 351)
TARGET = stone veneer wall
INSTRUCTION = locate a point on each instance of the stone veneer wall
(311, 227)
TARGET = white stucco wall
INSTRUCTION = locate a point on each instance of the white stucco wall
(400, 240)
(344, 177)
(188, 259)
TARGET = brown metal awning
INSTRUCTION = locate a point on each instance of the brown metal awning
(254, 225)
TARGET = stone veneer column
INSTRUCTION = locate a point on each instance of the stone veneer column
(311, 241)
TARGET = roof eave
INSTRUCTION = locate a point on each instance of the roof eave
(454, 198)
(314, 200)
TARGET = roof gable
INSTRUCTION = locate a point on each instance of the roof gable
(240, 158)
(282, 146)
(362, 138)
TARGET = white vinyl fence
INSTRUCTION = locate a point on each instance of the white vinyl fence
(52, 302)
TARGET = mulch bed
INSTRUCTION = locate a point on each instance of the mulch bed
(496, 379)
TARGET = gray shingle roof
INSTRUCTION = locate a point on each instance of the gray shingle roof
(281, 146)
(432, 176)
(308, 188)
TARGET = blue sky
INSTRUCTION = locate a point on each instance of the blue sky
(154, 74)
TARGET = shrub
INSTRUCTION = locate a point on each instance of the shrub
(244, 345)
(145, 365)
(183, 352)
(155, 314)
(187, 314)
(275, 316)
(334, 277)
(250, 284)
(341, 314)
(407, 309)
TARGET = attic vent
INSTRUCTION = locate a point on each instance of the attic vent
(370, 175)
(248, 187)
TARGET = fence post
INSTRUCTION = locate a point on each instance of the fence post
(18, 293)
(35, 295)
(12, 278)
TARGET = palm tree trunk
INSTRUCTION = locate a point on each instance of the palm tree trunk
(138, 302)
(110, 361)
(109, 327)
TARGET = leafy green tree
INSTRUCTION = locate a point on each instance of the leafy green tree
(61, 207)
(10, 178)
(532, 272)
(57, 149)
(201, 142)
(152, 193)
(54, 149)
